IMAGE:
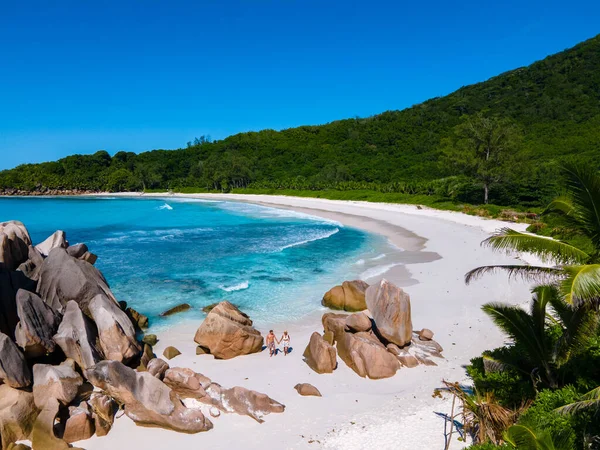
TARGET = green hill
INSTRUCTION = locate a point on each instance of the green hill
(555, 103)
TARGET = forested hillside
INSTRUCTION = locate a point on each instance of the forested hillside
(553, 106)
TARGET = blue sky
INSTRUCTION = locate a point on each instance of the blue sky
(78, 76)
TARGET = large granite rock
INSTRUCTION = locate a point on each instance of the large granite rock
(116, 334)
(147, 400)
(103, 410)
(38, 324)
(227, 332)
(350, 296)
(390, 307)
(14, 244)
(77, 336)
(367, 356)
(56, 240)
(13, 367)
(243, 401)
(17, 414)
(64, 278)
(55, 382)
(189, 384)
(320, 355)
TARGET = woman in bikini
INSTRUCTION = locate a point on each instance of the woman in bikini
(286, 342)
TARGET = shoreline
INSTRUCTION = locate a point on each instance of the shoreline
(356, 413)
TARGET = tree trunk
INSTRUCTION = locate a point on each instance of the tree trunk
(485, 193)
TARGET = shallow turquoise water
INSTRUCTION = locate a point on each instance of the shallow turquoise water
(156, 253)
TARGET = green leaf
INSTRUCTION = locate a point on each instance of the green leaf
(549, 250)
(527, 273)
(589, 400)
(582, 283)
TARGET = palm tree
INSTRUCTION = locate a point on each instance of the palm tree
(576, 272)
(525, 438)
(538, 354)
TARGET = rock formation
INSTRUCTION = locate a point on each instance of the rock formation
(390, 307)
(58, 382)
(350, 296)
(188, 384)
(320, 355)
(377, 347)
(77, 336)
(14, 244)
(57, 239)
(80, 424)
(13, 367)
(64, 278)
(17, 415)
(116, 334)
(226, 332)
(147, 400)
(367, 356)
(38, 323)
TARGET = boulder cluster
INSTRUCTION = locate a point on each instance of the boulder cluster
(374, 343)
(71, 355)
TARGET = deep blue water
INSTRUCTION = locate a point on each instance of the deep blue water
(156, 253)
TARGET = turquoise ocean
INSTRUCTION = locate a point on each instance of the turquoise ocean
(159, 252)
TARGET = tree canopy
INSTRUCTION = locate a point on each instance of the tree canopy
(554, 104)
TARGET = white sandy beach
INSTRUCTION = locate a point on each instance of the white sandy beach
(354, 413)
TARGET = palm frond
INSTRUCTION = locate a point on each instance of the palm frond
(521, 328)
(581, 284)
(548, 250)
(562, 205)
(589, 400)
(524, 437)
(580, 325)
(542, 295)
(583, 184)
(525, 272)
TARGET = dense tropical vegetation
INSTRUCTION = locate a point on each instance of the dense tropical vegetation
(547, 112)
(543, 390)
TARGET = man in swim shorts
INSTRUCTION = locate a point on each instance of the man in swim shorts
(271, 343)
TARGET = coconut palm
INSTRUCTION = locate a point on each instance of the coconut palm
(538, 354)
(576, 272)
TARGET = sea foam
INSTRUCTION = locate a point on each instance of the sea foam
(236, 287)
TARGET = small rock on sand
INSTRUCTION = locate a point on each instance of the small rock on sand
(171, 352)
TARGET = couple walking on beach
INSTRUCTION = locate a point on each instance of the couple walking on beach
(271, 338)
